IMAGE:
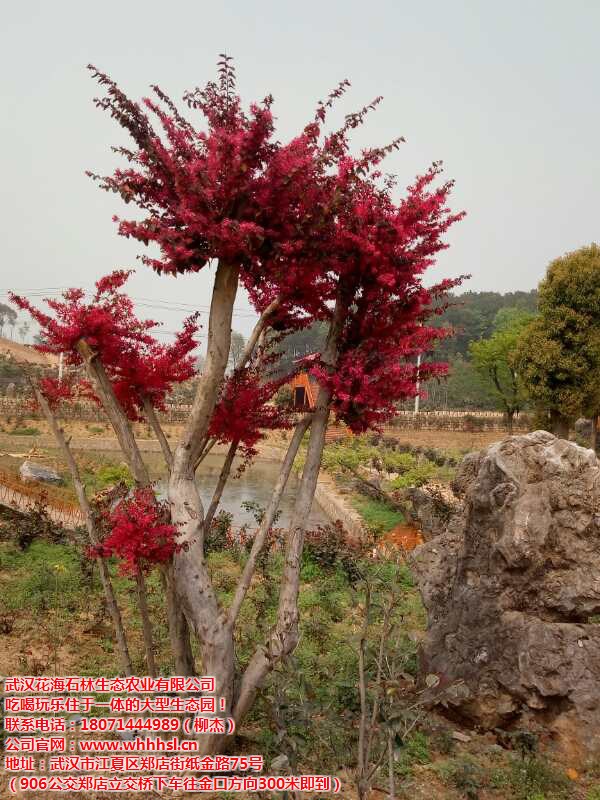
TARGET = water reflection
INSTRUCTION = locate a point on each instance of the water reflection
(254, 485)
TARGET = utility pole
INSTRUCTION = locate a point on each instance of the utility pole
(60, 367)
(417, 398)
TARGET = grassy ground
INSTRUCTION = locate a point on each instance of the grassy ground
(53, 621)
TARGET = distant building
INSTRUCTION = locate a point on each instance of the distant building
(304, 392)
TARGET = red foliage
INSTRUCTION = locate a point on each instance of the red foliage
(382, 251)
(304, 220)
(139, 537)
(136, 362)
(244, 412)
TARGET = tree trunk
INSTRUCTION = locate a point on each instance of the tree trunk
(217, 356)
(179, 632)
(197, 596)
(142, 595)
(118, 418)
(510, 416)
(559, 424)
(86, 510)
(129, 447)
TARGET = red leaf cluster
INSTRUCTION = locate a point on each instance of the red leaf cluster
(308, 225)
(138, 365)
(244, 413)
(306, 222)
(139, 537)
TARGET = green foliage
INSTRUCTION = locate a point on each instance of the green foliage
(473, 315)
(415, 749)
(348, 455)
(25, 431)
(39, 576)
(495, 359)
(283, 398)
(416, 472)
(464, 388)
(532, 779)
(377, 516)
(111, 474)
(559, 353)
(464, 774)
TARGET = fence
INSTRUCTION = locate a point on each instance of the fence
(174, 414)
(23, 497)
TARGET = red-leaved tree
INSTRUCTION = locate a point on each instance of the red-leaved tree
(311, 232)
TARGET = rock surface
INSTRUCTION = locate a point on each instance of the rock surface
(31, 472)
(510, 588)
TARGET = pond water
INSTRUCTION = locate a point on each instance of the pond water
(255, 485)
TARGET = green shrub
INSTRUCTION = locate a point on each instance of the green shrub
(533, 779)
(26, 431)
(111, 474)
(378, 516)
(464, 774)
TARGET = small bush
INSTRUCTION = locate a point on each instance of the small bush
(463, 774)
(27, 431)
(533, 779)
(112, 474)
(378, 516)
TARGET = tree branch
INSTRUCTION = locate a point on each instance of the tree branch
(267, 520)
(254, 337)
(88, 515)
(118, 418)
(152, 418)
(206, 448)
(217, 355)
(284, 636)
(224, 475)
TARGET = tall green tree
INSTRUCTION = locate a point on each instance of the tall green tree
(559, 353)
(495, 360)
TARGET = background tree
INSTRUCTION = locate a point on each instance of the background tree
(7, 316)
(559, 352)
(236, 349)
(24, 329)
(495, 359)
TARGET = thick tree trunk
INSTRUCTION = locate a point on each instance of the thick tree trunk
(179, 632)
(88, 515)
(142, 595)
(190, 574)
(559, 424)
(196, 593)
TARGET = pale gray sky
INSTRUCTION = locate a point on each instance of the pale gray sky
(506, 94)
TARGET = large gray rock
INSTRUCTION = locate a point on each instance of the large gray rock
(510, 588)
(31, 472)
